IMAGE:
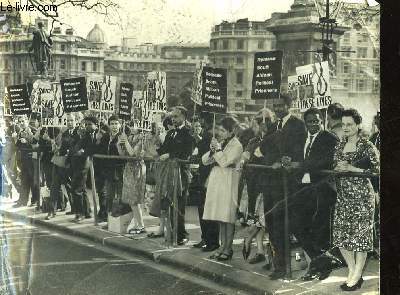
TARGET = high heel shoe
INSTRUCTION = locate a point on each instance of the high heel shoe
(355, 287)
(245, 251)
(225, 257)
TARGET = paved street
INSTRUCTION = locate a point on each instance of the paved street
(45, 262)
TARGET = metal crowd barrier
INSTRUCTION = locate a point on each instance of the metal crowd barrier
(172, 237)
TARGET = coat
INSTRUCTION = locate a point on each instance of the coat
(223, 183)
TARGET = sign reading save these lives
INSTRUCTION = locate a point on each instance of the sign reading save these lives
(267, 75)
(125, 101)
(74, 94)
(214, 97)
(101, 93)
(19, 99)
(312, 86)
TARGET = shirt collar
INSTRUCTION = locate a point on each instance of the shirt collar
(313, 135)
(181, 126)
(285, 119)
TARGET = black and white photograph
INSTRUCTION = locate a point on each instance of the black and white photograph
(195, 147)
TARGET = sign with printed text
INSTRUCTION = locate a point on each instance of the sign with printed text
(313, 86)
(19, 99)
(156, 91)
(267, 73)
(48, 102)
(101, 92)
(142, 113)
(125, 101)
(74, 94)
(197, 85)
(214, 94)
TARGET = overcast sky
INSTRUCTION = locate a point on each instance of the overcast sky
(159, 21)
(169, 20)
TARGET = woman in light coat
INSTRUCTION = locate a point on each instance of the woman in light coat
(223, 184)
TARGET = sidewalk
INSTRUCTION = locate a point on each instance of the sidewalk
(235, 273)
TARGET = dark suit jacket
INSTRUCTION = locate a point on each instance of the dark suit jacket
(179, 144)
(321, 158)
(291, 138)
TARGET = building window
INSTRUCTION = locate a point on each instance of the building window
(7, 80)
(239, 77)
(347, 84)
(346, 68)
(362, 38)
(6, 64)
(19, 64)
(62, 64)
(376, 69)
(362, 52)
(224, 60)
(132, 66)
(346, 37)
(260, 44)
(83, 66)
(214, 44)
(62, 47)
(375, 53)
(7, 47)
(125, 65)
(361, 85)
(346, 54)
(376, 86)
(19, 78)
(239, 93)
(239, 60)
(94, 66)
(240, 44)
(225, 44)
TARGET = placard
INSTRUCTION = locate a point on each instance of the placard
(267, 73)
(313, 86)
(74, 94)
(156, 91)
(101, 92)
(197, 85)
(125, 101)
(214, 94)
(19, 99)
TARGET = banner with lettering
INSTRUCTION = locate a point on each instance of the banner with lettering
(313, 86)
(101, 92)
(74, 94)
(214, 94)
(267, 74)
(142, 112)
(125, 101)
(156, 91)
(197, 85)
(19, 99)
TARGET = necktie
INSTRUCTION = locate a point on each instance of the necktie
(308, 148)
(280, 124)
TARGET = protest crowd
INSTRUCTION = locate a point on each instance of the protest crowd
(331, 216)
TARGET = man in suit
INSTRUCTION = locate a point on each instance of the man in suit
(284, 145)
(311, 207)
(79, 158)
(209, 228)
(23, 140)
(179, 144)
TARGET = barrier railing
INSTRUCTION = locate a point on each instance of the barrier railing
(172, 237)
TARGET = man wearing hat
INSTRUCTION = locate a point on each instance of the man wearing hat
(79, 160)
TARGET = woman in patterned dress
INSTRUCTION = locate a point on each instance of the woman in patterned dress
(354, 210)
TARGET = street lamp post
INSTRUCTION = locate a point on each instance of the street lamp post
(327, 24)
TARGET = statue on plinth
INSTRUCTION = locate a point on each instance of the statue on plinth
(41, 47)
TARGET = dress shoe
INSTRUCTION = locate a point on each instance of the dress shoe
(309, 276)
(322, 275)
(182, 242)
(277, 275)
(18, 205)
(78, 218)
(210, 248)
(87, 216)
(69, 213)
(200, 244)
(257, 258)
(215, 255)
(225, 257)
(355, 287)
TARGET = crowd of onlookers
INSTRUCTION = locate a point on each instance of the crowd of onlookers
(217, 165)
